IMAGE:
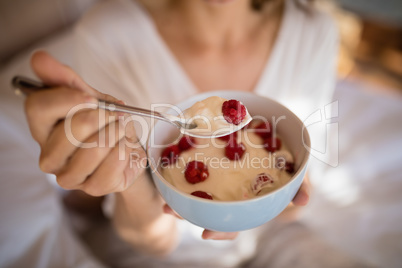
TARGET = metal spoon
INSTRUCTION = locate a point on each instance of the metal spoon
(25, 86)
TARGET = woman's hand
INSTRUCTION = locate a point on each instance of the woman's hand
(300, 199)
(106, 165)
(85, 149)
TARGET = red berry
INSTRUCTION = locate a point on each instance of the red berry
(272, 144)
(264, 130)
(282, 164)
(262, 180)
(202, 194)
(196, 172)
(290, 167)
(234, 151)
(232, 137)
(186, 142)
(170, 155)
(233, 111)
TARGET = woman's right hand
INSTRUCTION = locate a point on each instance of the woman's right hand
(61, 134)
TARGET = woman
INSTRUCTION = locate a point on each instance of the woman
(146, 52)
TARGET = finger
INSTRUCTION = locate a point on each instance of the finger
(169, 210)
(69, 135)
(302, 196)
(208, 234)
(45, 108)
(116, 172)
(54, 73)
(85, 160)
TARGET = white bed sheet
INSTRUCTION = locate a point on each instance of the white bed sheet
(357, 205)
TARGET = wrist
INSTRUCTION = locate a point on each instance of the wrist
(140, 221)
(142, 188)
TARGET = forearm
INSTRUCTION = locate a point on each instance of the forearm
(139, 219)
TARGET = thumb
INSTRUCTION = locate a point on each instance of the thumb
(54, 73)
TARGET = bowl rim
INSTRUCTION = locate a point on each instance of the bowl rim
(303, 165)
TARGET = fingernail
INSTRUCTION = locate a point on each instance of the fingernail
(207, 235)
(213, 237)
(120, 114)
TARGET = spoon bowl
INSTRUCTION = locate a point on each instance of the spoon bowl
(217, 133)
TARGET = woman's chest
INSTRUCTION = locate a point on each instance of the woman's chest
(222, 65)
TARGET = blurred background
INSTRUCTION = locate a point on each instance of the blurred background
(371, 32)
(361, 195)
(371, 40)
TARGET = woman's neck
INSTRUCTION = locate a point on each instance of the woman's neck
(219, 47)
(211, 24)
(217, 25)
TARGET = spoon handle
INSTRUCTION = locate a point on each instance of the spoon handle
(113, 106)
(25, 86)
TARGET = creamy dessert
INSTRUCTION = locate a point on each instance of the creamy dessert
(248, 163)
(216, 116)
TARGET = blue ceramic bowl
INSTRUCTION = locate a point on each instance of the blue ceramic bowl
(234, 216)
